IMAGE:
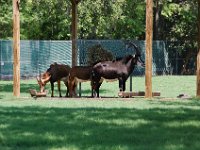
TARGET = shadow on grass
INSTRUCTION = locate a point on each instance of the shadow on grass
(96, 128)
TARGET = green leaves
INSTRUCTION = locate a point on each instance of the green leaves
(99, 19)
(171, 9)
(181, 18)
(45, 19)
(5, 19)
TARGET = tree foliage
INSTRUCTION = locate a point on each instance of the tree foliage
(5, 19)
(100, 19)
(180, 26)
(97, 53)
(114, 19)
(45, 19)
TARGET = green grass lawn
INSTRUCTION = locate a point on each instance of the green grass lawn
(168, 86)
(164, 123)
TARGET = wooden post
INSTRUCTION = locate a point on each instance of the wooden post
(74, 32)
(16, 48)
(198, 55)
(148, 58)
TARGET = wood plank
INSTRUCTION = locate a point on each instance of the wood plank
(134, 94)
(34, 93)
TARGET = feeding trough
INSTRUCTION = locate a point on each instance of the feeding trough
(34, 93)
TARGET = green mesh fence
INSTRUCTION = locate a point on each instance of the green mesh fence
(36, 56)
(161, 63)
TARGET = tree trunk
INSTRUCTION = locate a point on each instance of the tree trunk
(198, 55)
(157, 21)
(74, 33)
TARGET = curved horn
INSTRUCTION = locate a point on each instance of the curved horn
(38, 79)
(136, 48)
(138, 53)
(131, 44)
(46, 79)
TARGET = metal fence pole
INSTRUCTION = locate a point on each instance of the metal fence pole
(131, 81)
(176, 63)
(79, 89)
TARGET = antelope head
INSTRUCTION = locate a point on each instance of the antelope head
(42, 80)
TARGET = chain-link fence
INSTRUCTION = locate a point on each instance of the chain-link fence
(36, 56)
(161, 63)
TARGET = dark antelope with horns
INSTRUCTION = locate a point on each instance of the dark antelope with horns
(119, 69)
(56, 73)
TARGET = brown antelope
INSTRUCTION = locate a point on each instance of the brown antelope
(56, 73)
(78, 74)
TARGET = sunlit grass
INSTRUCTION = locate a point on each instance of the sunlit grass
(168, 86)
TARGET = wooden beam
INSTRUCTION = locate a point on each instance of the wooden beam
(74, 32)
(198, 55)
(133, 94)
(16, 48)
(148, 58)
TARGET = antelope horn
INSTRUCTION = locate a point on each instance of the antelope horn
(38, 78)
(131, 44)
(46, 79)
(136, 48)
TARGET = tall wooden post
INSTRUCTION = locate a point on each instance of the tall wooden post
(198, 55)
(16, 48)
(74, 32)
(148, 58)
